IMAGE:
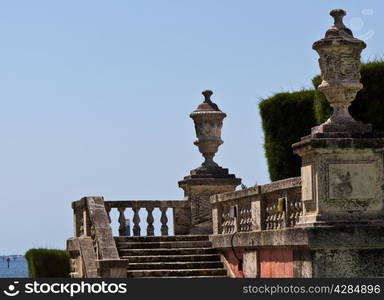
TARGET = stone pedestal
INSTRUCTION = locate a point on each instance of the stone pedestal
(342, 180)
(198, 187)
(342, 163)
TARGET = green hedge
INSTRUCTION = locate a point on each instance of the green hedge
(368, 106)
(286, 117)
(47, 263)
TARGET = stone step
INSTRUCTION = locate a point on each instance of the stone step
(175, 265)
(161, 245)
(172, 258)
(165, 251)
(171, 238)
(177, 273)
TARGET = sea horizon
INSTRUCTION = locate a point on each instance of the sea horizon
(17, 266)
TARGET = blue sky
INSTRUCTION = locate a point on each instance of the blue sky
(96, 96)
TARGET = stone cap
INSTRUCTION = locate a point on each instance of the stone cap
(354, 129)
(338, 33)
(193, 180)
(275, 186)
(211, 172)
(307, 143)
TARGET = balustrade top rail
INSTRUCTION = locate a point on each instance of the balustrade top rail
(275, 205)
(147, 203)
(276, 186)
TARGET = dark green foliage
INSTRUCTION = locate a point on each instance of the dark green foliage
(368, 106)
(320, 105)
(47, 263)
(286, 117)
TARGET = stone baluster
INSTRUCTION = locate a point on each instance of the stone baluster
(136, 221)
(122, 227)
(164, 221)
(150, 227)
(217, 219)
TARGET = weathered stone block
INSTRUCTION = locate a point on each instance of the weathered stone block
(341, 184)
(250, 264)
(348, 263)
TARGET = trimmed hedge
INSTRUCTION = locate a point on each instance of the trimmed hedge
(47, 263)
(368, 106)
(321, 107)
(286, 117)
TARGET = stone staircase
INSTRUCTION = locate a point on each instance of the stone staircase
(181, 256)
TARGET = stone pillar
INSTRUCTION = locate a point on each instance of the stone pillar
(342, 161)
(209, 178)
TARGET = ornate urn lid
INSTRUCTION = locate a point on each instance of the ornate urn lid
(207, 109)
(338, 33)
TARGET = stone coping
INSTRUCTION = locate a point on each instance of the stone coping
(148, 203)
(257, 190)
(137, 203)
(79, 203)
(214, 181)
(328, 237)
(283, 238)
(309, 142)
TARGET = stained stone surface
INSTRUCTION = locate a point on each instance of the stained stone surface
(353, 182)
(332, 251)
(306, 188)
(349, 263)
(346, 183)
(250, 264)
(198, 192)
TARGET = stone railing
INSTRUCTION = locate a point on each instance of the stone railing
(93, 250)
(180, 209)
(271, 206)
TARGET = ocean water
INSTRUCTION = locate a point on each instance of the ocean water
(17, 267)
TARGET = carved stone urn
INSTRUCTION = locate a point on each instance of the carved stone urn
(339, 62)
(342, 177)
(209, 178)
(208, 119)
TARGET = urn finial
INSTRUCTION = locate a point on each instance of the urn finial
(207, 95)
(208, 119)
(339, 62)
(338, 14)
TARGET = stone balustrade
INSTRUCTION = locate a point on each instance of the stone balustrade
(180, 210)
(266, 207)
(92, 249)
